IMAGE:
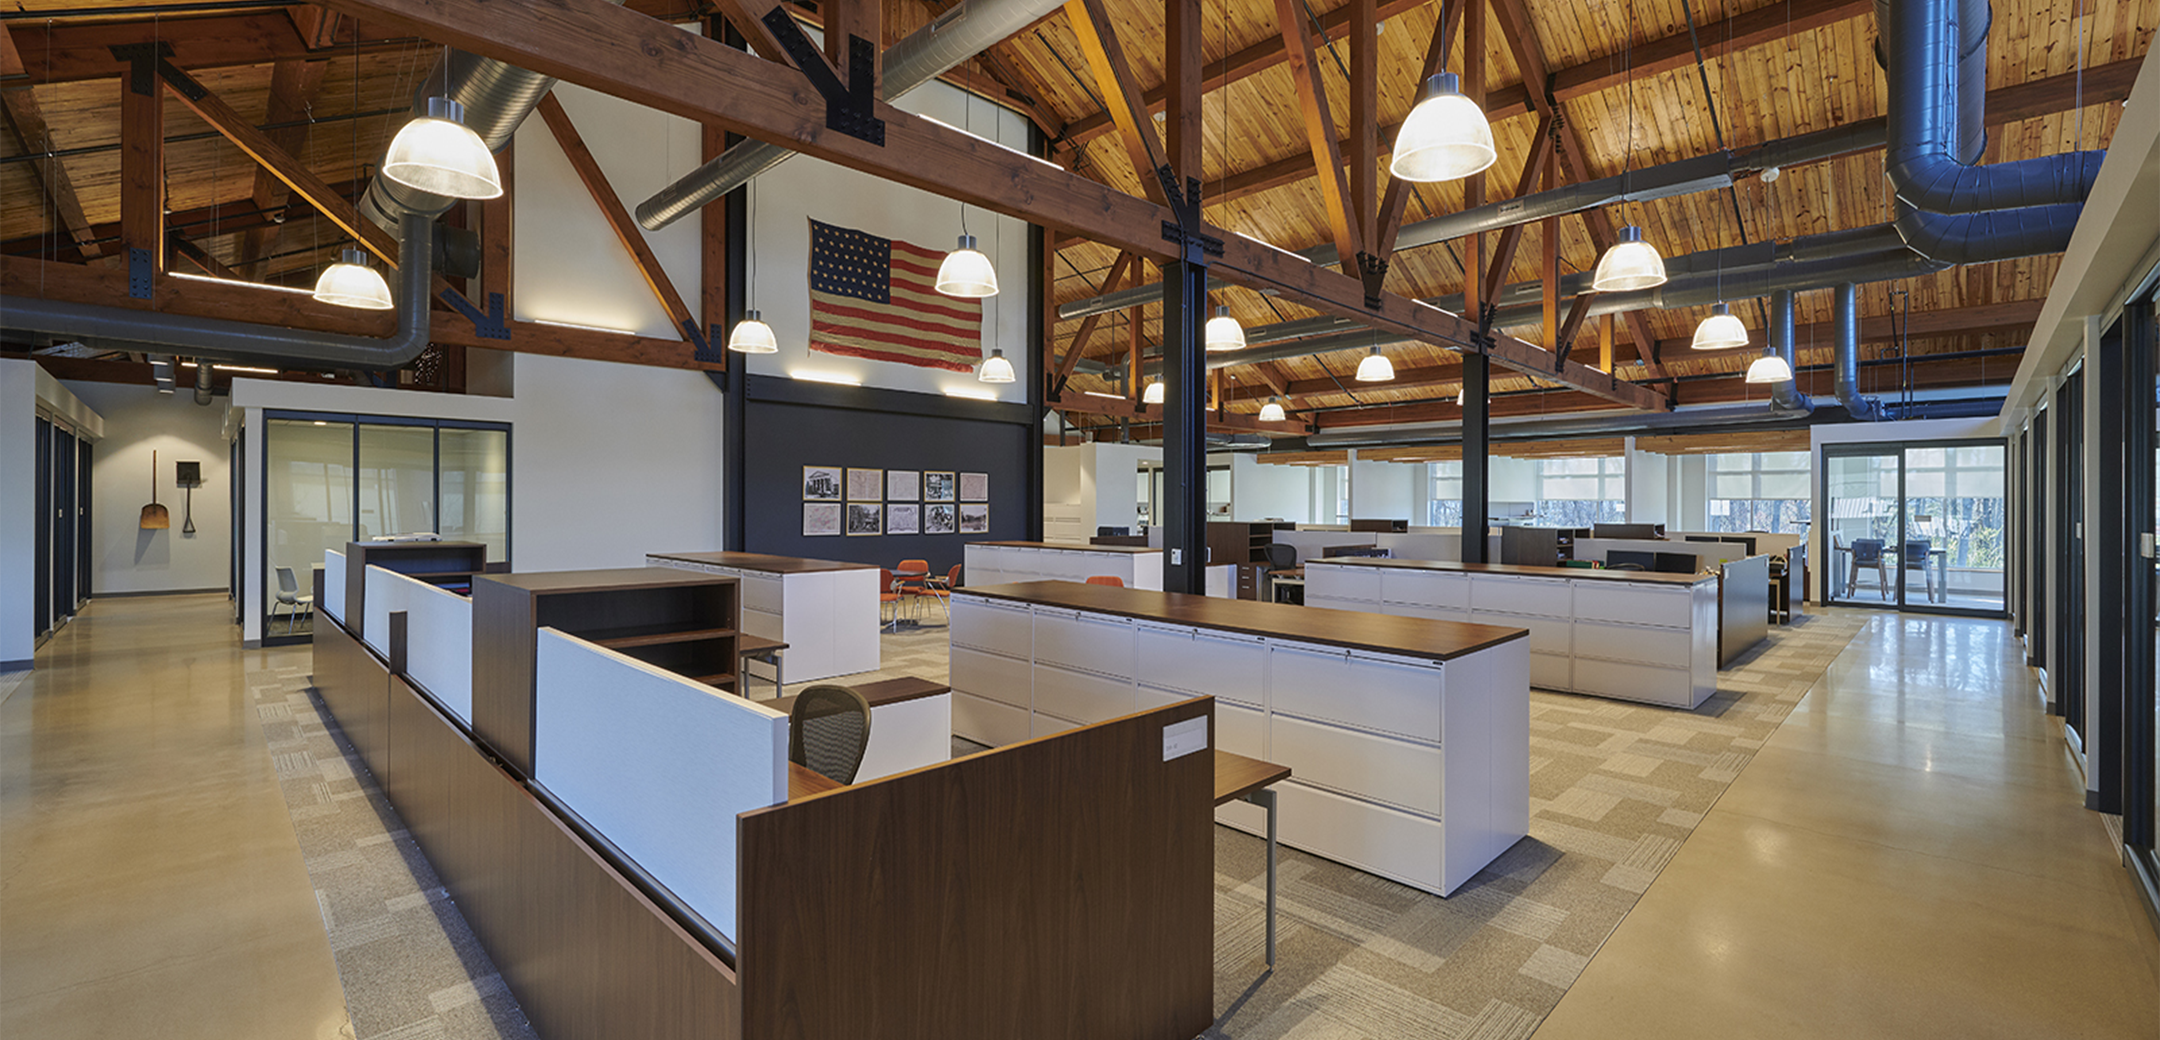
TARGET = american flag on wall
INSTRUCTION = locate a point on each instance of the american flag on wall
(877, 298)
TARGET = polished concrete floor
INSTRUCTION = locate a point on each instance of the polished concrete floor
(1906, 857)
(150, 880)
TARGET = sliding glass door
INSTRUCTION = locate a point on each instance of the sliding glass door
(1916, 527)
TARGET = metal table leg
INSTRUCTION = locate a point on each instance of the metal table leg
(1265, 799)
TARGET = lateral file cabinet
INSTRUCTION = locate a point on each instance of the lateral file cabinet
(1651, 639)
(998, 563)
(1408, 767)
(826, 612)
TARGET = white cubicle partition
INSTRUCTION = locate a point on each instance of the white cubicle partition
(906, 735)
(333, 586)
(826, 612)
(438, 634)
(656, 763)
(1651, 638)
(1708, 555)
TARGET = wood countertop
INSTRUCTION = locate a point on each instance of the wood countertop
(765, 562)
(1237, 775)
(1072, 547)
(603, 580)
(1349, 629)
(1571, 573)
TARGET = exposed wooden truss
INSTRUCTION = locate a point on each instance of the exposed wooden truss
(619, 220)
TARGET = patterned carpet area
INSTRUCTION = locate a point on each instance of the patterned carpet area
(1614, 789)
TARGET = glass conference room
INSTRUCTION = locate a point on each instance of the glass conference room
(1917, 527)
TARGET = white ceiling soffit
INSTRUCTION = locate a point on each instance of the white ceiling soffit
(2113, 245)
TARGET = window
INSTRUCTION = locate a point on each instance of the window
(1444, 508)
(1580, 492)
(1760, 491)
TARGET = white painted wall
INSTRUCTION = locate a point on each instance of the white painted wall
(1385, 491)
(18, 510)
(125, 558)
(1259, 492)
(1649, 477)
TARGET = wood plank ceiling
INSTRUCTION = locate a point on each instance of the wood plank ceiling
(1625, 75)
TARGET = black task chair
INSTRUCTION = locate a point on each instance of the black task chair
(828, 730)
(1281, 557)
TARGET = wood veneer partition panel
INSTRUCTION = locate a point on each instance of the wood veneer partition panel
(354, 685)
(503, 665)
(1058, 887)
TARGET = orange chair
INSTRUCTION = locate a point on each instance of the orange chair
(940, 589)
(914, 579)
(888, 592)
(1107, 579)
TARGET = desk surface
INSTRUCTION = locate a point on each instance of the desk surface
(749, 561)
(802, 782)
(603, 580)
(1354, 630)
(1572, 573)
(1130, 550)
(881, 692)
(1237, 776)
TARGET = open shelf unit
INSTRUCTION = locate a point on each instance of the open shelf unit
(682, 621)
(449, 565)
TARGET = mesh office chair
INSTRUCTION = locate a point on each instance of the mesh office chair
(288, 595)
(1107, 579)
(1868, 552)
(1281, 557)
(828, 731)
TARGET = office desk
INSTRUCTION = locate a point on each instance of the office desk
(1242, 779)
(802, 782)
(996, 563)
(825, 610)
(1410, 737)
(1633, 635)
(910, 725)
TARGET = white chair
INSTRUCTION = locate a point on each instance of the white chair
(289, 596)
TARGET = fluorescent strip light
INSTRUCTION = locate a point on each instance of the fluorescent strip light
(236, 368)
(979, 395)
(588, 328)
(835, 378)
(1098, 393)
(310, 292)
(992, 142)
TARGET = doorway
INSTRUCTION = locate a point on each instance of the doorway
(1919, 527)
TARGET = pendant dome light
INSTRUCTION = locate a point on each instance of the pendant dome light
(1769, 368)
(966, 272)
(1272, 411)
(1224, 333)
(352, 283)
(438, 153)
(1720, 331)
(1446, 137)
(751, 335)
(1154, 393)
(995, 369)
(1631, 263)
(1376, 368)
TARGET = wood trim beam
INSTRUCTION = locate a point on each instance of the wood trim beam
(1183, 63)
(1327, 153)
(142, 167)
(1364, 123)
(619, 220)
(1091, 26)
(281, 164)
(498, 236)
(603, 47)
(34, 135)
(201, 259)
(1946, 321)
(1225, 422)
(747, 17)
(76, 51)
(293, 87)
(1396, 200)
(1534, 170)
(1125, 262)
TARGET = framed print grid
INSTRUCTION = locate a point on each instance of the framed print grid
(903, 485)
(864, 518)
(820, 518)
(974, 518)
(865, 485)
(821, 483)
(974, 487)
(941, 519)
(903, 518)
(940, 486)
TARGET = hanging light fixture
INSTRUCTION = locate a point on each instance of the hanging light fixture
(1720, 331)
(966, 272)
(1445, 138)
(995, 369)
(1629, 265)
(1769, 368)
(1153, 394)
(752, 336)
(438, 153)
(1224, 333)
(1272, 411)
(1376, 368)
(352, 283)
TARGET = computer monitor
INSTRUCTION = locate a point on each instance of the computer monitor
(1629, 557)
(1625, 530)
(1113, 532)
(1741, 540)
(1676, 563)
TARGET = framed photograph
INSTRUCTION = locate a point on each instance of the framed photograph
(820, 518)
(865, 518)
(865, 485)
(941, 519)
(975, 518)
(903, 485)
(821, 483)
(939, 487)
(903, 518)
(974, 487)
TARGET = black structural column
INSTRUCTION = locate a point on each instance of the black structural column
(1476, 437)
(2114, 545)
(1184, 427)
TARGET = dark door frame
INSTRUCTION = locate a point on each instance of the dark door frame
(1896, 450)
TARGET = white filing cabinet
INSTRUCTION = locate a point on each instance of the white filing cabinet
(827, 613)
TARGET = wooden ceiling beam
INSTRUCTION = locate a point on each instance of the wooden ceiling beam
(293, 87)
(142, 166)
(1503, 258)
(1943, 321)
(77, 51)
(34, 135)
(1183, 65)
(1396, 200)
(1319, 121)
(317, 27)
(232, 217)
(1232, 422)
(1113, 77)
(625, 54)
(1365, 124)
(1071, 360)
(747, 17)
(620, 221)
(282, 164)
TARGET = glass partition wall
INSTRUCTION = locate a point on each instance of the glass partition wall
(333, 479)
(1917, 527)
